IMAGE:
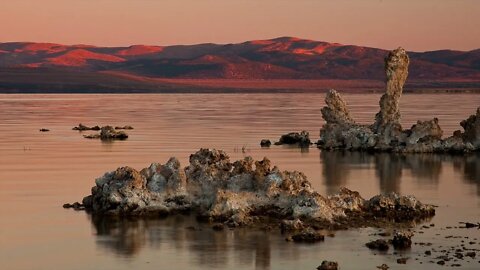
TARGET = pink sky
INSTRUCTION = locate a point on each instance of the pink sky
(415, 24)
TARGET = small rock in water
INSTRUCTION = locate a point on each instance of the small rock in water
(75, 206)
(402, 260)
(379, 244)
(124, 127)
(218, 227)
(308, 236)
(44, 130)
(82, 127)
(469, 225)
(265, 143)
(402, 240)
(108, 133)
(383, 267)
(328, 265)
(471, 254)
(302, 139)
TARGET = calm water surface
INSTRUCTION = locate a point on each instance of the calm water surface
(41, 171)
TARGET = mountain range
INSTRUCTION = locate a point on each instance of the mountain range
(282, 63)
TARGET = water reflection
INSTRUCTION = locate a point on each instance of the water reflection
(61, 165)
(388, 169)
(469, 167)
(122, 236)
(339, 166)
(206, 247)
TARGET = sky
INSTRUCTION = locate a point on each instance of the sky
(418, 25)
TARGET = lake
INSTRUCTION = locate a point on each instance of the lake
(40, 171)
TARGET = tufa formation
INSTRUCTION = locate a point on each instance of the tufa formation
(386, 134)
(243, 193)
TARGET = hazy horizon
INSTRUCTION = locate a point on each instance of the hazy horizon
(419, 25)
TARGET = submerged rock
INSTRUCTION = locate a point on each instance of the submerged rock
(242, 193)
(386, 134)
(302, 139)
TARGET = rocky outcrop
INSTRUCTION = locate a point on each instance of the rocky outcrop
(423, 131)
(387, 206)
(340, 130)
(471, 125)
(242, 193)
(386, 134)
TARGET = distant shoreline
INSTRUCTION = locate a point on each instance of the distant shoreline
(231, 91)
(48, 81)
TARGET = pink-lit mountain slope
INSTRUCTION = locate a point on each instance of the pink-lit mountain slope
(283, 58)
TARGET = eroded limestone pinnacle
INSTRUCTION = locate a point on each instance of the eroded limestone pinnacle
(396, 71)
